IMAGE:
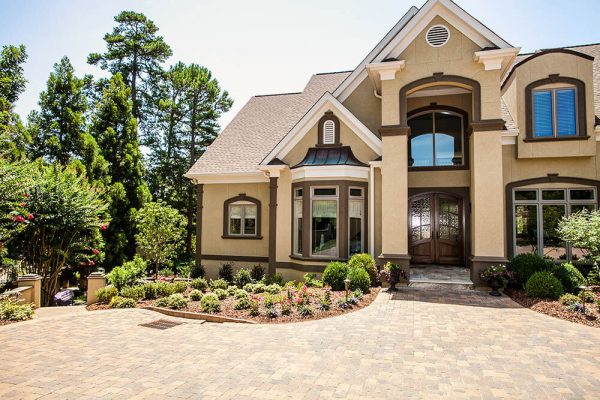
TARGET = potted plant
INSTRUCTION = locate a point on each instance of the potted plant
(496, 277)
(392, 273)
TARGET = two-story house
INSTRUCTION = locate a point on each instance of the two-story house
(444, 146)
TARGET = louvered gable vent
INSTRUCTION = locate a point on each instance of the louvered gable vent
(437, 35)
(329, 132)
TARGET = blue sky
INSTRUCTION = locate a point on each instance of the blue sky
(261, 47)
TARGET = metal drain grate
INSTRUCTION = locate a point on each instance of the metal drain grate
(161, 324)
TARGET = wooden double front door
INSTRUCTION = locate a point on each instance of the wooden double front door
(436, 234)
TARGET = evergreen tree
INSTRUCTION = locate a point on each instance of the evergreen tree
(136, 51)
(115, 129)
(13, 136)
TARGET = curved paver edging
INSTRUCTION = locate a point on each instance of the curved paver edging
(202, 316)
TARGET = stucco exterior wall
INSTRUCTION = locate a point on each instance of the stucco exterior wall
(365, 106)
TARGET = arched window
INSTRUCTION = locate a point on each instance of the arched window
(241, 218)
(436, 139)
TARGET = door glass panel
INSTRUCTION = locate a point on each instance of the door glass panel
(420, 219)
(526, 229)
(554, 247)
(449, 221)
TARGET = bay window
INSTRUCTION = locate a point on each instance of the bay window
(324, 229)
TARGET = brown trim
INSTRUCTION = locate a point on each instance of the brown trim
(242, 197)
(460, 192)
(543, 53)
(581, 106)
(550, 178)
(343, 197)
(302, 267)
(466, 127)
(440, 77)
(486, 125)
(272, 225)
(224, 257)
(329, 116)
(325, 259)
(199, 207)
(554, 139)
(394, 130)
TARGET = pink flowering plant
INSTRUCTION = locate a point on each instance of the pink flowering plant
(496, 272)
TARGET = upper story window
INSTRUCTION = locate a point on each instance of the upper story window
(555, 112)
(436, 139)
(241, 218)
(329, 130)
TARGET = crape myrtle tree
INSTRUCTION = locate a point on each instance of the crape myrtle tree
(63, 225)
(160, 232)
(115, 130)
(136, 51)
(189, 102)
(13, 135)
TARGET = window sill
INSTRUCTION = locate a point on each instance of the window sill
(316, 258)
(241, 237)
(555, 139)
(440, 168)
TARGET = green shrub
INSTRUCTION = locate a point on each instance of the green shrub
(226, 272)
(568, 299)
(199, 284)
(286, 307)
(166, 272)
(569, 276)
(163, 289)
(544, 285)
(184, 270)
(231, 290)
(310, 280)
(334, 275)
(149, 290)
(105, 294)
(162, 302)
(526, 264)
(218, 284)
(127, 274)
(242, 303)
(122, 302)
(133, 292)
(177, 301)
(198, 271)
(241, 294)
(254, 307)
(210, 303)
(366, 262)
(273, 288)
(195, 295)
(359, 279)
(220, 293)
(242, 277)
(271, 279)
(305, 310)
(587, 296)
(257, 273)
(10, 310)
(179, 287)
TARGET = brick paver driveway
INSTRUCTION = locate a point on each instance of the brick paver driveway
(418, 344)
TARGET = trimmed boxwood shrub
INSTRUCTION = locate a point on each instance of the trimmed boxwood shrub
(242, 303)
(334, 275)
(366, 262)
(359, 279)
(242, 277)
(544, 285)
(569, 276)
(210, 303)
(220, 293)
(179, 287)
(133, 292)
(526, 264)
(195, 295)
(106, 294)
(177, 301)
(122, 302)
(199, 284)
(219, 284)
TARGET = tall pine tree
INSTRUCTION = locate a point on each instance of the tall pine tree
(115, 129)
(136, 51)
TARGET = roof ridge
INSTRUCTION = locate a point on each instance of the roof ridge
(334, 72)
(560, 47)
(277, 94)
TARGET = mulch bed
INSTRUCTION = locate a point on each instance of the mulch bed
(227, 309)
(555, 309)
(5, 322)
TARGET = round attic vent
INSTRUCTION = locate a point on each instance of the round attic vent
(437, 35)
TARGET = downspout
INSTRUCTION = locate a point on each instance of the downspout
(376, 94)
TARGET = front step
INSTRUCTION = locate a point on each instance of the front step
(440, 284)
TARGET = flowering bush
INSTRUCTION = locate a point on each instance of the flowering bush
(498, 272)
(392, 273)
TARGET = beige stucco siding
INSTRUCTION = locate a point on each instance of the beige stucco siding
(365, 106)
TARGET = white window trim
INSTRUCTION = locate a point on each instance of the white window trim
(295, 238)
(329, 132)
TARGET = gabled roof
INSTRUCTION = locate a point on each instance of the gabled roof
(259, 126)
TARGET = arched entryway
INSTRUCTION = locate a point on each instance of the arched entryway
(437, 228)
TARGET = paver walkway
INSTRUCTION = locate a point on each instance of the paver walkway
(417, 344)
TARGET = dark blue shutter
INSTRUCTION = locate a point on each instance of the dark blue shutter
(542, 113)
(565, 112)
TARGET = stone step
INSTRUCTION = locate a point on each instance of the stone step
(440, 284)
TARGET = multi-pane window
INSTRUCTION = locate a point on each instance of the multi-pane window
(537, 213)
(324, 228)
(554, 112)
(356, 208)
(242, 218)
(436, 140)
(298, 193)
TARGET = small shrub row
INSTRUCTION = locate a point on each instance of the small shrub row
(175, 301)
